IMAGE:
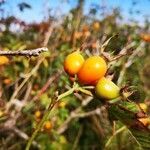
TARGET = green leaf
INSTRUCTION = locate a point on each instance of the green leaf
(140, 132)
(87, 92)
(44, 99)
(130, 106)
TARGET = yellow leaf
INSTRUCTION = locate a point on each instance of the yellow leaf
(3, 60)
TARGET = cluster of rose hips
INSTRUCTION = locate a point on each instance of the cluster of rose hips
(91, 71)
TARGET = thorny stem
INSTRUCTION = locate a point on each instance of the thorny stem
(47, 113)
(22, 84)
(32, 52)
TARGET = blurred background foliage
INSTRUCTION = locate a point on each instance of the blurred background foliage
(63, 35)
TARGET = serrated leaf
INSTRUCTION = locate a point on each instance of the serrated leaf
(130, 106)
(142, 137)
(140, 132)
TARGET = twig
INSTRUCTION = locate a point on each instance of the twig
(117, 132)
(103, 47)
(34, 52)
(48, 35)
(77, 138)
(22, 84)
(128, 63)
(47, 113)
(86, 114)
(18, 132)
(47, 84)
(39, 126)
(8, 139)
(125, 51)
(24, 136)
(77, 114)
(29, 53)
(97, 125)
(16, 112)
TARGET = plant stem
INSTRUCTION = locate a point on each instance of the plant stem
(47, 113)
(31, 52)
(66, 93)
(110, 139)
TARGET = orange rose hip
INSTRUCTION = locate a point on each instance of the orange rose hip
(92, 70)
(73, 63)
